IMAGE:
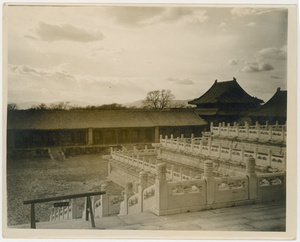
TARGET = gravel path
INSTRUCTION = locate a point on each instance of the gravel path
(33, 178)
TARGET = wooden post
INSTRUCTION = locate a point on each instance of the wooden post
(91, 211)
(32, 221)
(86, 209)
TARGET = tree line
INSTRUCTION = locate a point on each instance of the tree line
(157, 99)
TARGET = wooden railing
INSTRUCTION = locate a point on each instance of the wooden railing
(88, 211)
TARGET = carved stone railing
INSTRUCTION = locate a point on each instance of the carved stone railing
(266, 132)
(271, 156)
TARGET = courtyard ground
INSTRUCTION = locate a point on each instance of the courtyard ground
(32, 178)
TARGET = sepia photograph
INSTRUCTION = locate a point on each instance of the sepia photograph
(158, 121)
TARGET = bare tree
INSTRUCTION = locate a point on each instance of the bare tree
(12, 106)
(41, 107)
(60, 106)
(158, 99)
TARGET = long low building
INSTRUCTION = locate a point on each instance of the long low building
(32, 128)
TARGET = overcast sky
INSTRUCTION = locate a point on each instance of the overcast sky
(105, 54)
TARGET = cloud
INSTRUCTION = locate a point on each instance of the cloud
(275, 77)
(273, 53)
(51, 33)
(242, 12)
(251, 24)
(223, 24)
(30, 37)
(181, 81)
(143, 16)
(233, 61)
(27, 70)
(257, 67)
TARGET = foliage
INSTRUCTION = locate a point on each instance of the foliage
(67, 106)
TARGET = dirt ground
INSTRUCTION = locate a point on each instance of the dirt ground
(32, 178)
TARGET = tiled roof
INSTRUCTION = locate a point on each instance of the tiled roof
(275, 107)
(51, 120)
(225, 92)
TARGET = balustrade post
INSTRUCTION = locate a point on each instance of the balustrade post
(223, 124)
(230, 150)
(270, 132)
(237, 130)
(177, 144)
(228, 128)
(184, 144)
(166, 139)
(180, 172)
(210, 180)
(143, 163)
(252, 177)
(283, 133)
(160, 139)
(172, 139)
(211, 127)
(242, 153)
(161, 189)
(200, 146)
(182, 137)
(172, 172)
(255, 153)
(258, 130)
(267, 124)
(247, 129)
(276, 124)
(219, 150)
(143, 182)
(104, 200)
(127, 194)
(269, 157)
(219, 132)
(209, 147)
(190, 175)
(192, 144)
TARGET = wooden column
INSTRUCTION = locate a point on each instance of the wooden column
(90, 136)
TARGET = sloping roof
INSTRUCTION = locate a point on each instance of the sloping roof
(226, 92)
(51, 120)
(275, 107)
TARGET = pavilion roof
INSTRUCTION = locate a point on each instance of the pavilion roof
(226, 92)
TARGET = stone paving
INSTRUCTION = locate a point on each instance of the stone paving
(269, 216)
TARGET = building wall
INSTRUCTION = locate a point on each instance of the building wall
(79, 137)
